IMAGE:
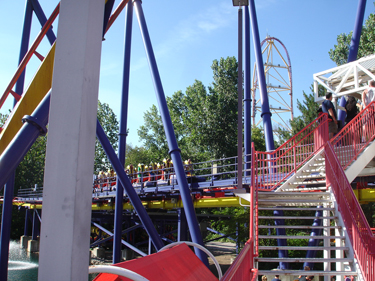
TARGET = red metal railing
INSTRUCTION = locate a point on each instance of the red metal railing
(276, 166)
(355, 136)
(243, 266)
(356, 224)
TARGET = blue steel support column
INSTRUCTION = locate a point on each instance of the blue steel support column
(353, 49)
(35, 226)
(266, 114)
(26, 228)
(24, 45)
(247, 100)
(281, 242)
(123, 132)
(182, 226)
(42, 19)
(107, 13)
(134, 199)
(171, 138)
(9, 188)
(6, 222)
(33, 126)
(314, 242)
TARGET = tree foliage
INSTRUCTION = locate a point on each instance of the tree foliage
(340, 53)
(204, 121)
(308, 108)
(109, 122)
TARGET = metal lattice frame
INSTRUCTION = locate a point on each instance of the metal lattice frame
(347, 79)
(278, 73)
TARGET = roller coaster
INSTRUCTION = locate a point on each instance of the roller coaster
(310, 178)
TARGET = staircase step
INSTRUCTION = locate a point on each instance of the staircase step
(302, 189)
(300, 226)
(317, 165)
(302, 272)
(298, 237)
(311, 176)
(302, 248)
(307, 182)
(295, 209)
(286, 200)
(286, 193)
(315, 260)
(310, 171)
(295, 218)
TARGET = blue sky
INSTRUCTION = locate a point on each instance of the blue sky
(187, 36)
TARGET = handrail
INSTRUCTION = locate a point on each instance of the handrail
(358, 230)
(355, 136)
(276, 166)
(117, 271)
(243, 266)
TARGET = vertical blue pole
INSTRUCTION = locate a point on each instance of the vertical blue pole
(281, 242)
(35, 226)
(107, 13)
(42, 19)
(133, 196)
(26, 229)
(247, 100)
(266, 114)
(182, 226)
(354, 44)
(353, 49)
(123, 132)
(314, 242)
(9, 187)
(6, 222)
(24, 45)
(175, 152)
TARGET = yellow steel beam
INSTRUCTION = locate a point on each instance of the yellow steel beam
(38, 88)
(160, 204)
(365, 195)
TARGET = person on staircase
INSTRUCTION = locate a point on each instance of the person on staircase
(328, 107)
(351, 109)
(276, 278)
(368, 95)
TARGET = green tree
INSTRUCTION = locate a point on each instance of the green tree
(153, 135)
(205, 123)
(339, 54)
(222, 108)
(135, 155)
(108, 120)
(309, 112)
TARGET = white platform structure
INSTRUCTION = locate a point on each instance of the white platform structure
(347, 79)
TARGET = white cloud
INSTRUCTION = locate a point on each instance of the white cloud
(196, 26)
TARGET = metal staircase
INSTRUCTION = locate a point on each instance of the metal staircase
(306, 197)
(330, 254)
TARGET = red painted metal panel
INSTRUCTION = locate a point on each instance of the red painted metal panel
(177, 263)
